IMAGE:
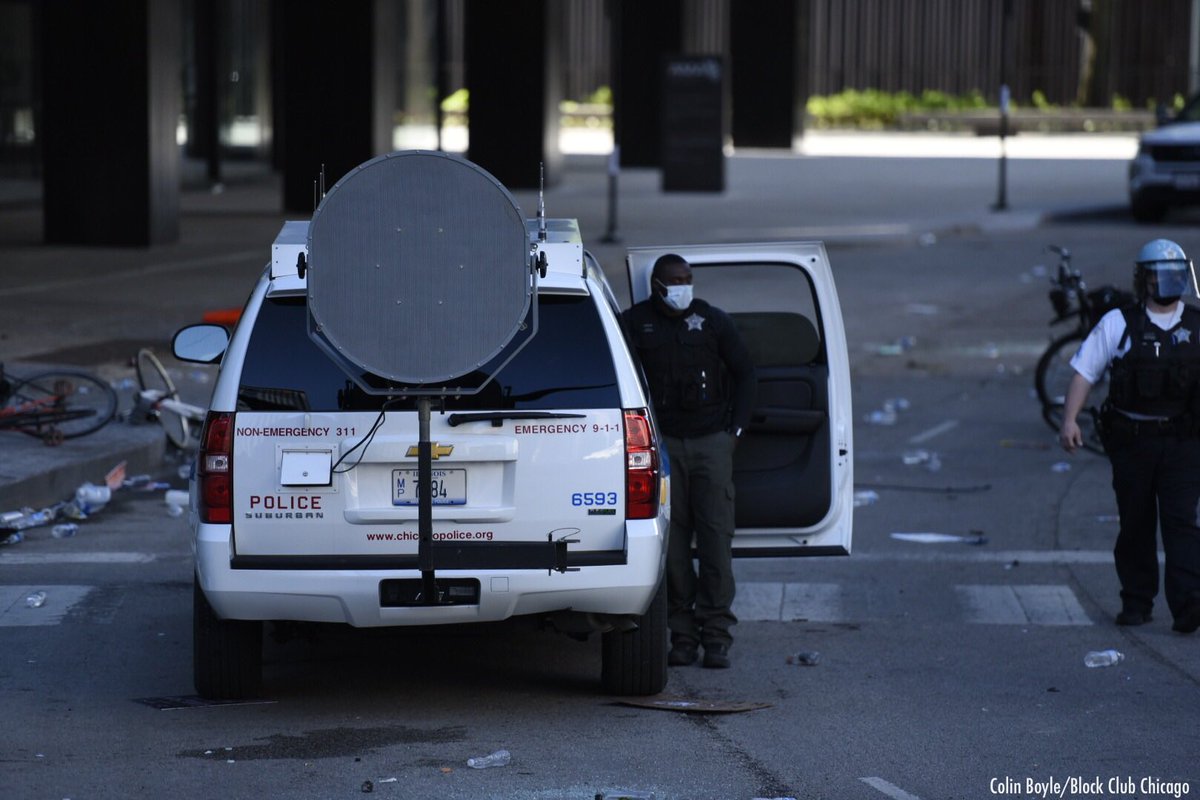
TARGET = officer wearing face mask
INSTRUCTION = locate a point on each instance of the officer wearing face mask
(702, 383)
(1150, 426)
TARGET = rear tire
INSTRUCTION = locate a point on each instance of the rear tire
(226, 653)
(1054, 372)
(72, 403)
(635, 662)
(1053, 415)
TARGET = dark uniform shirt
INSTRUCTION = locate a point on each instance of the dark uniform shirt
(700, 373)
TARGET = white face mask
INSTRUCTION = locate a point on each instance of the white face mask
(679, 297)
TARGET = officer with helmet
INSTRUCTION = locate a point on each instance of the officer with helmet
(1150, 424)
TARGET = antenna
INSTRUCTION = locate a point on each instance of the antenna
(541, 202)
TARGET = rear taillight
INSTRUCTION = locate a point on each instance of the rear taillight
(641, 466)
(214, 469)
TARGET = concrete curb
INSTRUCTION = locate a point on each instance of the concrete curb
(37, 476)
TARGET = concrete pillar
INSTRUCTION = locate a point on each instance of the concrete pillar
(111, 100)
(764, 46)
(513, 55)
(647, 32)
(335, 90)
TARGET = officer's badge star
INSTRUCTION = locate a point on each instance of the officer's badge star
(1182, 335)
(695, 322)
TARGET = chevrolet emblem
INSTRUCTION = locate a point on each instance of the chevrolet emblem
(437, 450)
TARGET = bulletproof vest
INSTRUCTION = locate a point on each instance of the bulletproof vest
(1158, 376)
(681, 359)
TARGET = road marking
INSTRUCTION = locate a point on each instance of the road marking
(7, 559)
(788, 602)
(891, 790)
(963, 553)
(936, 430)
(1022, 605)
(59, 601)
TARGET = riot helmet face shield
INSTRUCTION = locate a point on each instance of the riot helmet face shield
(1164, 274)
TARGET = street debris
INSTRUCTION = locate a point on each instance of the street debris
(500, 758)
(889, 412)
(1103, 658)
(1060, 466)
(865, 497)
(688, 705)
(35, 600)
(88, 500)
(975, 538)
(931, 461)
(804, 659)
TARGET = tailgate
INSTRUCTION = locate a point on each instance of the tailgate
(344, 484)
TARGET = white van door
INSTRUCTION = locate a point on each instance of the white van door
(793, 468)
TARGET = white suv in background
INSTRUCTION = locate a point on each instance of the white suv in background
(549, 484)
(1166, 170)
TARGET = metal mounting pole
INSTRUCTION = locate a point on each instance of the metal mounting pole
(429, 591)
(1002, 192)
(614, 169)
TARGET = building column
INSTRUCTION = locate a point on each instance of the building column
(764, 43)
(111, 100)
(513, 55)
(646, 33)
(335, 90)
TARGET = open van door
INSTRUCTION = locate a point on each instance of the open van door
(793, 467)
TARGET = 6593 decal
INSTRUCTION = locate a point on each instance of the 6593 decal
(594, 499)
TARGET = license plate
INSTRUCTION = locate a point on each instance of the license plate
(449, 487)
(1187, 182)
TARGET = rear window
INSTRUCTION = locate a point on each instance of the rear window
(566, 365)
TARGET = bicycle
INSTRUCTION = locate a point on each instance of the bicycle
(1072, 300)
(55, 405)
(158, 399)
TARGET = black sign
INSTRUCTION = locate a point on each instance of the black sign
(693, 124)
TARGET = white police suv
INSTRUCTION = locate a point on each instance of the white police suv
(428, 414)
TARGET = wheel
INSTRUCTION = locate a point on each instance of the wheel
(152, 375)
(226, 653)
(1087, 419)
(1054, 372)
(635, 662)
(73, 403)
(1146, 208)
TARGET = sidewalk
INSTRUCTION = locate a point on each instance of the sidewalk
(94, 307)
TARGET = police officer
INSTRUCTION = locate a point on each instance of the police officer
(702, 384)
(1151, 432)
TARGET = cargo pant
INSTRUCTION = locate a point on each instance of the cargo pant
(699, 602)
(1156, 478)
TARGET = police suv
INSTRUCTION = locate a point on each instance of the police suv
(428, 415)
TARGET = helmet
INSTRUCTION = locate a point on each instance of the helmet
(1163, 273)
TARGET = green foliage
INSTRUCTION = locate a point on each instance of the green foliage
(1120, 103)
(872, 108)
(1038, 98)
(603, 96)
(457, 103)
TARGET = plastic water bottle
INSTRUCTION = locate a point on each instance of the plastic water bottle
(500, 758)
(1103, 658)
(64, 530)
(35, 599)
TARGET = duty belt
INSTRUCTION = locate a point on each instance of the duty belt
(1121, 424)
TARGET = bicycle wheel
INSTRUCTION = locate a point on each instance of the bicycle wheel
(66, 403)
(1054, 372)
(152, 375)
(1087, 418)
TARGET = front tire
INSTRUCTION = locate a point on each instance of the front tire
(1054, 372)
(226, 653)
(635, 662)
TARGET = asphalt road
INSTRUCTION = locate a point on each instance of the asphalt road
(946, 669)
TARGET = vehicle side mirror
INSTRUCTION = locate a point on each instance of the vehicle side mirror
(203, 344)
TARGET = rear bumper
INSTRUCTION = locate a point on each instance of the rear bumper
(351, 594)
